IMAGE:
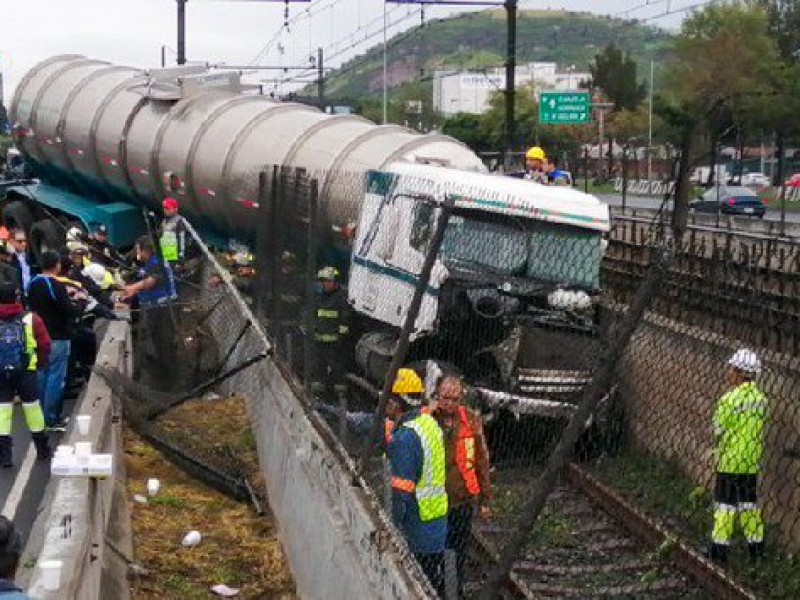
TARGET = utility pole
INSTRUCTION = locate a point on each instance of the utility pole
(511, 71)
(182, 31)
(385, 71)
(650, 133)
(320, 80)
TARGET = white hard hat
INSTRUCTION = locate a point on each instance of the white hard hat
(74, 234)
(745, 360)
(96, 272)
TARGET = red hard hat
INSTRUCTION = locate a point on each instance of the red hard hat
(170, 204)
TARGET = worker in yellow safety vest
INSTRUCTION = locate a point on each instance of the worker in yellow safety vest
(24, 346)
(418, 473)
(739, 422)
(172, 234)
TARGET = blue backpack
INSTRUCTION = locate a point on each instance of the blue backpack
(12, 345)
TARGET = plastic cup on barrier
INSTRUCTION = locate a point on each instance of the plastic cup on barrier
(51, 574)
(83, 423)
(83, 450)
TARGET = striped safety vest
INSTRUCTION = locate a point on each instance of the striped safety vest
(430, 490)
(465, 453)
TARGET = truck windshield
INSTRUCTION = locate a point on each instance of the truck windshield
(487, 240)
(525, 248)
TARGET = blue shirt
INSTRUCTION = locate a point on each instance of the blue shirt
(10, 591)
(163, 291)
(405, 455)
(24, 269)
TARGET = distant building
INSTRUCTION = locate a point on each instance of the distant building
(469, 91)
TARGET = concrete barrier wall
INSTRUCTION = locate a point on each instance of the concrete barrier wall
(338, 541)
(672, 377)
(79, 516)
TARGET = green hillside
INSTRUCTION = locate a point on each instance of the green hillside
(478, 40)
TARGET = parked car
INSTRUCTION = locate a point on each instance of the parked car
(730, 200)
(755, 180)
(793, 181)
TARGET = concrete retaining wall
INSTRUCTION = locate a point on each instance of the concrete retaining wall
(672, 376)
(338, 542)
(80, 516)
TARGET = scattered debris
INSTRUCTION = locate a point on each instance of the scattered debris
(140, 499)
(225, 591)
(192, 539)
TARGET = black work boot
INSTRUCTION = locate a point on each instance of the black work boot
(718, 553)
(5, 452)
(756, 550)
(42, 445)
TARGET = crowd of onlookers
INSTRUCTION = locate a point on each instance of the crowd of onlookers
(50, 303)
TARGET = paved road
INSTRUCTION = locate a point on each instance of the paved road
(654, 203)
(22, 488)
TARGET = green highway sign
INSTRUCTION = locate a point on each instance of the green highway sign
(565, 108)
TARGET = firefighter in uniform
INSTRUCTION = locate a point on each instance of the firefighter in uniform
(417, 457)
(739, 422)
(331, 327)
(467, 466)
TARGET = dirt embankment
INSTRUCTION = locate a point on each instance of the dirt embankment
(238, 549)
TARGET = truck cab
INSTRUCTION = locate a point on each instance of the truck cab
(513, 294)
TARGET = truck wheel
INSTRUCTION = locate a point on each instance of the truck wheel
(46, 235)
(16, 215)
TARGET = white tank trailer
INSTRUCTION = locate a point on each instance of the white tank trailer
(122, 133)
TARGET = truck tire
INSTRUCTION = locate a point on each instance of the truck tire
(16, 215)
(46, 235)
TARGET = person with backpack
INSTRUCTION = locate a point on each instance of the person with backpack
(24, 348)
(49, 298)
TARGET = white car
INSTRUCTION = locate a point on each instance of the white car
(755, 179)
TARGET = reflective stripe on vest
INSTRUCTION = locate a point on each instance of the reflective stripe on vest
(326, 313)
(169, 246)
(30, 341)
(430, 490)
(465, 454)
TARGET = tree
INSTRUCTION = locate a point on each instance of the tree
(467, 128)
(784, 20)
(706, 88)
(615, 74)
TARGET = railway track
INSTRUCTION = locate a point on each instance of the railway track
(589, 543)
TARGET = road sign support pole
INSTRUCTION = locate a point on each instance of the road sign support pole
(320, 80)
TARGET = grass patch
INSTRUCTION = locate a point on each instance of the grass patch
(238, 548)
(663, 489)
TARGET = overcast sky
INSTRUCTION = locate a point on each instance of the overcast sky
(131, 32)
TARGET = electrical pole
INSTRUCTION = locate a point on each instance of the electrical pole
(650, 133)
(385, 71)
(182, 31)
(320, 80)
(511, 71)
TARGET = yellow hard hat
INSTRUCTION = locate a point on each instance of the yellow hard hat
(407, 382)
(535, 153)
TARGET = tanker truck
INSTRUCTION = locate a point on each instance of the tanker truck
(512, 299)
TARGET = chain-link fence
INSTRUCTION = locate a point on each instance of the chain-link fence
(570, 339)
(524, 301)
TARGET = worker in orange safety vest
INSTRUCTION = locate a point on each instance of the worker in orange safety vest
(467, 463)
